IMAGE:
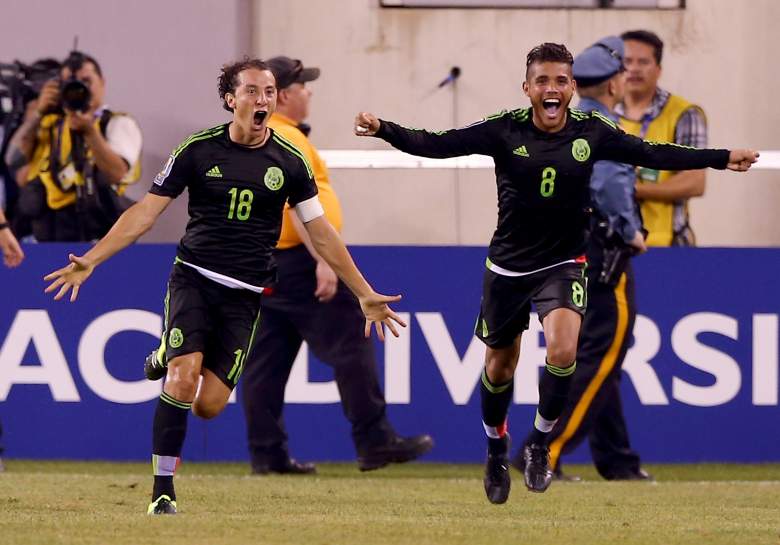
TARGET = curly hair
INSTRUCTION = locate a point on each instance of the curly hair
(548, 52)
(228, 77)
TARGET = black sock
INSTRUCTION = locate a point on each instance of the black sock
(169, 430)
(163, 484)
(553, 394)
(495, 405)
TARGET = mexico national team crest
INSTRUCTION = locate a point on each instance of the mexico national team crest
(175, 338)
(580, 150)
(274, 179)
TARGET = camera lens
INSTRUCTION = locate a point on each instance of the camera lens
(76, 95)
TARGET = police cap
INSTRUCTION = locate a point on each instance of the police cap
(599, 62)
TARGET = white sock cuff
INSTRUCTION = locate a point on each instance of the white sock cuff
(164, 465)
(542, 424)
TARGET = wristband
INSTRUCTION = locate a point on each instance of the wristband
(4, 225)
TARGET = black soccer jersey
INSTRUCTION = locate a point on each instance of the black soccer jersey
(236, 200)
(543, 178)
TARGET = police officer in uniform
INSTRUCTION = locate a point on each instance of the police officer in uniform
(594, 410)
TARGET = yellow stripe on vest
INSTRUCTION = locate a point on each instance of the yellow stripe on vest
(605, 367)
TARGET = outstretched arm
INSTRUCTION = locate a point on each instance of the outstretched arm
(136, 221)
(374, 305)
(619, 146)
(474, 138)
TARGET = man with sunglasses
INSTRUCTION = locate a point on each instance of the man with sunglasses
(309, 303)
(594, 409)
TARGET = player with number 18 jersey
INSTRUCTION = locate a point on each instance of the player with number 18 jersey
(236, 199)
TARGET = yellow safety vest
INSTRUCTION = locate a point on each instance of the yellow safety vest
(661, 219)
(62, 193)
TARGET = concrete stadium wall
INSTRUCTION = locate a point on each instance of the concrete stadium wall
(161, 61)
(719, 53)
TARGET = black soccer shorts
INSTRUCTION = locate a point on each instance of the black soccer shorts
(506, 300)
(203, 316)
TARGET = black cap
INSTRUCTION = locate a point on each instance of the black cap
(288, 71)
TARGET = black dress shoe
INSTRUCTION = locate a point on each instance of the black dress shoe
(397, 451)
(286, 467)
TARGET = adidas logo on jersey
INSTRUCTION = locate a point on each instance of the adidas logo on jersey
(521, 151)
(214, 172)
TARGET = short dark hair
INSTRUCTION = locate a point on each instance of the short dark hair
(76, 60)
(548, 52)
(649, 38)
(228, 77)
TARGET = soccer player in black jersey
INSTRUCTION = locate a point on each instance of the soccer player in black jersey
(544, 157)
(239, 176)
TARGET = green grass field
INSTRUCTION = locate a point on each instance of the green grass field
(102, 503)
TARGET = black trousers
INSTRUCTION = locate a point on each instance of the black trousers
(334, 332)
(594, 409)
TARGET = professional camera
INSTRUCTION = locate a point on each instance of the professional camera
(75, 94)
(20, 83)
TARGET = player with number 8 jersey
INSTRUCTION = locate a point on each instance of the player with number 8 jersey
(544, 158)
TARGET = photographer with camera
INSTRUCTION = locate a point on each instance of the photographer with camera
(73, 157)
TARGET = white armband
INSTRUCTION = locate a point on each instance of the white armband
(309, 209)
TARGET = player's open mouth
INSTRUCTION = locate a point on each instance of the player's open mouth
(259, 117)
(551, 107)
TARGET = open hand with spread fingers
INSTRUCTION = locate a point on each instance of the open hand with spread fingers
(741, 159)
(70, 277)
(377, 312)
(366, 124)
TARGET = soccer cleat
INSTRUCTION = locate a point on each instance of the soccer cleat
(537, 467)
(163, 505)
(497, 480)
(397, 451)
(518, 462)
(153, 369)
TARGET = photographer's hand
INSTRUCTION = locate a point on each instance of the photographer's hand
(108, 161)
(49, 97)
(83, 122)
